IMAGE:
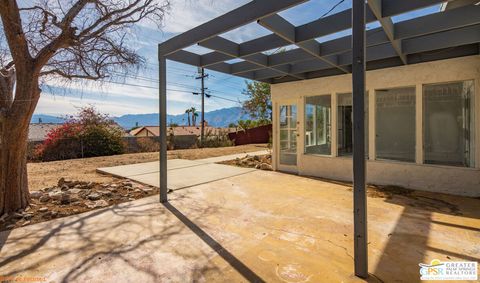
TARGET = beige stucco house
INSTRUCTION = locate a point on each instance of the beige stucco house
(422, 126)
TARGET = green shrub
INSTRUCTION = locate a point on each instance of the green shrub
(101, 140)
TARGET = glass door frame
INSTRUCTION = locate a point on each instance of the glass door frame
(279, 165)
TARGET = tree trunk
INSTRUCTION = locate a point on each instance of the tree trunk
(15, 121)
(14, 188)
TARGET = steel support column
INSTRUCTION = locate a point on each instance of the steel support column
(359, 176)
(162, 76)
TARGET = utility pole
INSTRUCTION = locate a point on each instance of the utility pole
(202, 77)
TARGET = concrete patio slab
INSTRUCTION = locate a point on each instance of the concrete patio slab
(181, 173)
(130, 170)
(260, 226)
(181, 178)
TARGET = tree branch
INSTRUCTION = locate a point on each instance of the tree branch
(67, 35)
(12, 25)
(73, 76)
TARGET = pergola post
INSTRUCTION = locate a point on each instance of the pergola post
(162, 76)
(358, 82)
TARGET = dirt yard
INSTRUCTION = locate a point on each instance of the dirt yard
(47, 174)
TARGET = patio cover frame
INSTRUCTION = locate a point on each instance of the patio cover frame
(451, 33)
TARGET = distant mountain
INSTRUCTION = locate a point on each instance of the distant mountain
(216, 118)
(42, 118)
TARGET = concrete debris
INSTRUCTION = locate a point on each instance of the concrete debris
(43, 209)
(261, 162)
(93, 196)
(96, 204)
(36, 194)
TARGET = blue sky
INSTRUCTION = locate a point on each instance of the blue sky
(139, 94)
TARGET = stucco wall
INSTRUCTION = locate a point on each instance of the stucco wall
(453, 180)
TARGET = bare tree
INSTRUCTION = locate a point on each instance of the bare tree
(59, 40)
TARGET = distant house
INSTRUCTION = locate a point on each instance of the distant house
(38, 132)
(146, 131)
(154, 131)
(183, 136)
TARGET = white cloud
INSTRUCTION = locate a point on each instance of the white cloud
(62, 105)
(187, 14)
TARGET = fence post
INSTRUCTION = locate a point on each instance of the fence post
(81, 146)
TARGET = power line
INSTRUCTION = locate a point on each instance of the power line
(178, 90)
(170, 83)
(331, 9)
(219, 97)
(137, 77)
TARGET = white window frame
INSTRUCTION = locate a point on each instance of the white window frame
(314, 128)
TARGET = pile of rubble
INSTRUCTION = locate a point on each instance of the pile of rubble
(262, 162)
(72, 197)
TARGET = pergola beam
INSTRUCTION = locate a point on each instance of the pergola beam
(213, 58)
(416, 35)
(460, 17)
(186, 57)
(413, 30)
(300, 63)
(309, 66)
(221, 44)
(231, 48)
(271, 41)
(245, 66)
(387, 25)
(286, 30)
(374, 36)
(341, 21)
(290, 56)
(261, 44)
(249, 12)
(445, 39)
(436, 41)
(394, 7)
(328, 25)
(373, 53)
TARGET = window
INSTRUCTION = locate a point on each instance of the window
(395, 124)
(345, 124)
(318, 124)
(448, 124)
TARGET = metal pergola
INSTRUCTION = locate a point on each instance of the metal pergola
(446, 34)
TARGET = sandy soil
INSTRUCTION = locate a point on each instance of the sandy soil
(46, 174)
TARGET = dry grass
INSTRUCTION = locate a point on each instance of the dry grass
(46, 174)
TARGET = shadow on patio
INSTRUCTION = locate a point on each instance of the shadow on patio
(264, 226)
(431, 226)
(114, 240)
